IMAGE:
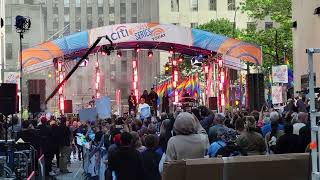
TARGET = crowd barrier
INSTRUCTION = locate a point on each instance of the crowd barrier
(93, 161)
(268, 167)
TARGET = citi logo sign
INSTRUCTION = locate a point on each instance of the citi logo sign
(121, 32)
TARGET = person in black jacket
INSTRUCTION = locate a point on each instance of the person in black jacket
(125, 161)
(55, 140)
(289, 142)
(46, 143)
(64, 137)
(151, 158)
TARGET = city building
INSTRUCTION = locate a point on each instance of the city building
(196, 12)
(57, 18)
(306, 25)
(2, 39)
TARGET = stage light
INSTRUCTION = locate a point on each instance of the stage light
(105, 50)
(180, 58)
(137, 49)
(171, 50)
(119, 54)
(174, 63)
(220, 62)
(150, 53)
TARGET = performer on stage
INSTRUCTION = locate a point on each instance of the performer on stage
(165, 102)
(153, 98)
(132, 101)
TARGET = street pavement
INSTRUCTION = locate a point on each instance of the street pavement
(77, 171)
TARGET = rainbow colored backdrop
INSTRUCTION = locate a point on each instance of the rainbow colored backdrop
(190, 84)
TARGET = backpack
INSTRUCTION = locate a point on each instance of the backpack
(230, 150)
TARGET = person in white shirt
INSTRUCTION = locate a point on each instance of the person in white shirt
(302, 121)
(142, 105)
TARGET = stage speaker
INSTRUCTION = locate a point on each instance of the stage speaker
(34, 103)
(213, 103)
(37, 86)
(68, 106)
(8, 98)
(256, 97)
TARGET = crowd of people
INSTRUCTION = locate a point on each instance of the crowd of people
(138, 147)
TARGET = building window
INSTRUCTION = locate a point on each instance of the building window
(66, 3)
(79, 85)
(231, 5)
(193, 25)
(134, 19)
(78, 26)
(8, 23)
(122, 9)
(25, 45)
(55, 25)
(55, 10)
(111, 10)
(134, 8)
(212, 5)
(89, 10)
(67, 28)
(124, 66)
(67, 18)
(28, 2)
(111, 22)
(174, 5)
(89, 3)
(89, 24)
(100, 22)
(100, 10)
(9, 50)
(78, 11)
(251, 26)
(100, 3)
(66, 10)
(113, 67)
(78, 3)
(268, 25)
(111, 17)
(122, 20)
(111, 3)
(194, 5)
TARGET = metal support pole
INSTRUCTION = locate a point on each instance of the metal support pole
(313, 115)
(21, 104)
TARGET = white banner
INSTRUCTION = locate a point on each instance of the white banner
(142, 32)
(278, 95)
(280, 74)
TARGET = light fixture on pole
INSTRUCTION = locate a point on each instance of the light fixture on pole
(23, 24)
(150, 53)
(119, 54)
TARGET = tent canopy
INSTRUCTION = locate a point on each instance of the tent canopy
(145, 36)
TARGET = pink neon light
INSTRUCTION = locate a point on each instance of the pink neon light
(206, 69)
(134, 64)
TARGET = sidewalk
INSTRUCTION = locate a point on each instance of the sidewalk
(76, 169)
